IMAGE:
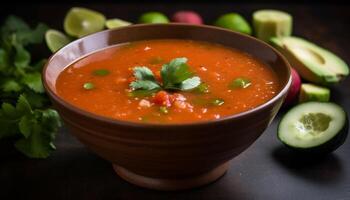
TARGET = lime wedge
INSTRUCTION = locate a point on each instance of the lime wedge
(56, 40)
(116, 23)
(81, 21)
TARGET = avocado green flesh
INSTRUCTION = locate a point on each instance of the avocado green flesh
(314, 63)
(311, 124)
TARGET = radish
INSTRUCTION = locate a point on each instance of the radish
(190, 17)
(294, 88)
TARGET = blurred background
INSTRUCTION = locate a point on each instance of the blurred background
(315, 20)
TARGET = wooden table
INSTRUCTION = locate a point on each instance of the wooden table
(265, 171)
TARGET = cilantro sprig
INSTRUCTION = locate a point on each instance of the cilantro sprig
(35, 129)
(25, 116)
(175, 75)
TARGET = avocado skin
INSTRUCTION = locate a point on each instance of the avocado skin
(308, 70)
(324, 148)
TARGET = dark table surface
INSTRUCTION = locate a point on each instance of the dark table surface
(267, 170)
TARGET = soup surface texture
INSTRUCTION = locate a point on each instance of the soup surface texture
(167, 81)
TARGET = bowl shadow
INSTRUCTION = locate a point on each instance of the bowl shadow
(325, 169)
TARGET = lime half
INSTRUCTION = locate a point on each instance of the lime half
(56, 40)
(116, 23)
(81, 21)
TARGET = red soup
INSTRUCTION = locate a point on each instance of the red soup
(167, 81)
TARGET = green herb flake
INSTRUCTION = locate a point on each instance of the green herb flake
(217, 102)
(88, 86)
(203, 88)
(240, 83)
(163, 110)
(101, 72)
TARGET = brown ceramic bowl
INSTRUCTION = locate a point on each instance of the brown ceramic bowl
(175, 156)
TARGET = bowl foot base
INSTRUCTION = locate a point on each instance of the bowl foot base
(171, 184)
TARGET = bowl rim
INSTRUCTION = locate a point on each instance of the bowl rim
(133, 124)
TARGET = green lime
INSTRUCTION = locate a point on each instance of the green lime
(81, 21)
(153, 18)
(235, 22)
(116, 23)
(56, 40)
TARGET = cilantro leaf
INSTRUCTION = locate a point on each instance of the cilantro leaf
(25, 124)
(10, 85)
(190, 83)
(22, 57)
(33, 81)
(175, 72)
(145, 79)
(24, 34)
(175, 76)
(143, 73)
(36, 100)
(35, 36)
(35, 129)
(24, 116)
(22, 106)
(8, 110)
(10, 117)
(37, 145)
(14, 24)
(144, 85)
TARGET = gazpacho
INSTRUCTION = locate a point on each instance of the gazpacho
(167, 81)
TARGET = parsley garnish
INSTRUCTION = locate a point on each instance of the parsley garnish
(175, 76)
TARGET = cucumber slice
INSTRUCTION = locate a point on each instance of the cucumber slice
(311, 92)
(314, 127)
(272, 23)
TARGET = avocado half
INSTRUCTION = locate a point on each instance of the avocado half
(313, 63)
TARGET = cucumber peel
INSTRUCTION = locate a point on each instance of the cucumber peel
(314, 127)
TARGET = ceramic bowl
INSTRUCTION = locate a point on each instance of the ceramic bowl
(174, 156)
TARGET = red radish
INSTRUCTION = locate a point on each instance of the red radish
(190, 17)
(294, 88)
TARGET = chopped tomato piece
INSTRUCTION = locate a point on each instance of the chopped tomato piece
(162, 98)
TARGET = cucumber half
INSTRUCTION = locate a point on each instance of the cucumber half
(314, 127)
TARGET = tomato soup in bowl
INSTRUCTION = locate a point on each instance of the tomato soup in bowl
(222, 81)
(168, 105)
